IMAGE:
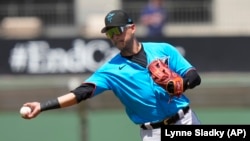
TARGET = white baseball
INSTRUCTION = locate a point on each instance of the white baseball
(25, 110)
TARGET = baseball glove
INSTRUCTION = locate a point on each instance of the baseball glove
(166, 78)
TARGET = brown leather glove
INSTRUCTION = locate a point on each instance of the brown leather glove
(166, 78)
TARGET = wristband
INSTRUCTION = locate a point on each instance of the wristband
(50, 104)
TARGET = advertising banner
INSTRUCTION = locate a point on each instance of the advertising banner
(78, 55)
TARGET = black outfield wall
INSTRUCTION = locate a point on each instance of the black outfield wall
(79, 55)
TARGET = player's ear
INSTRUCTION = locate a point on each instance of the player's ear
(133, 27)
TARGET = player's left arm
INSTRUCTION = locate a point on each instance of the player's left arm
(181, 66)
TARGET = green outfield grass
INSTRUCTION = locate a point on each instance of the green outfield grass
(223, 98)
(108, 125)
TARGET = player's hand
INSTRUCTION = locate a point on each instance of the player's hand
(35, 110)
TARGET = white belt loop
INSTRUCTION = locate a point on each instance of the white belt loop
(181, 113)
(148, 126)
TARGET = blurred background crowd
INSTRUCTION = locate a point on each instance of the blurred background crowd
(70, 18)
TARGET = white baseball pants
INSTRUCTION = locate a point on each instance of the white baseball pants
(189, 118)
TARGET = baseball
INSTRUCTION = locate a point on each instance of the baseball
(25, 110)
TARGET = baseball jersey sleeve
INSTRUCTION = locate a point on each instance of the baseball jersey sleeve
(99, 80)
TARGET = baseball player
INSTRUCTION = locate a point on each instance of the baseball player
(148, 78)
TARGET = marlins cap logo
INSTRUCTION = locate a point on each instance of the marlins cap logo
(110, 17)
(129, 20)
(165, 60)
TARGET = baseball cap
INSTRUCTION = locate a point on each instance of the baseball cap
(116, 18)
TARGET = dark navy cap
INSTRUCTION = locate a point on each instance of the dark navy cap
(116, 18)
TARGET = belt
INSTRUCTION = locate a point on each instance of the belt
(171, 120)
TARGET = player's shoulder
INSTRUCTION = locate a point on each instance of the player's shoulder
(151, 46)
(115, 61)
(156, 44)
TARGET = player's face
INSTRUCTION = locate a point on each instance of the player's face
(120, 36)
(118, 30)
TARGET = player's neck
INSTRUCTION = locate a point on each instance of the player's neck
(135, 48)
(138, 47)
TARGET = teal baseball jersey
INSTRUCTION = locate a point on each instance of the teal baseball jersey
(143, 99)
